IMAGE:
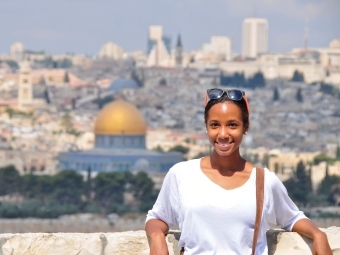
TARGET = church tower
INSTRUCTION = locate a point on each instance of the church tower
(178, 52)
(25, 91)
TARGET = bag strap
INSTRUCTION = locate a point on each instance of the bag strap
(259, 205)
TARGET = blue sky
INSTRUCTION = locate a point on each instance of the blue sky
(83, 26)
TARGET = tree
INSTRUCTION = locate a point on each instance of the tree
(257, 81)
(68, 186)
(109, 190)
(238, 80)
(67, 121)
(276, 95)
(322, 158)
(10, 181)
(329, 187)
(338, 153)
(298, 76)
(143, 191)
(180, 148)
(42, 80)
(66, 78)
(299, 97)
(162, 81)
(299, 186)
(158, 148)
(134, 76)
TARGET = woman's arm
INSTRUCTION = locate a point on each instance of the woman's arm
(320, 243)
(156, 230)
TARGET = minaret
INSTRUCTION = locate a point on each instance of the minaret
(178, 52)
(25, 91)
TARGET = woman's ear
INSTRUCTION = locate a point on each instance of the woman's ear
(245, 130)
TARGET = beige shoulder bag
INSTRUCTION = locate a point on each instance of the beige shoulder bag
(259, 207)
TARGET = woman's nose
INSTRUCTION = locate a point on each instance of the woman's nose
(223, 133)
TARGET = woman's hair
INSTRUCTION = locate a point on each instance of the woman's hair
(224, 98)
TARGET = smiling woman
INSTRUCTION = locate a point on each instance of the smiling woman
(212, 199)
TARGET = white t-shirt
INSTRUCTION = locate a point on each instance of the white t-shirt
(214, 220)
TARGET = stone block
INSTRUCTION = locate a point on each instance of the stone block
(136, 243)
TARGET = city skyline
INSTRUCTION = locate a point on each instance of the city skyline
(84, 26)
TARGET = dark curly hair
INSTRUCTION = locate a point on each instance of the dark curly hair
(224, 98)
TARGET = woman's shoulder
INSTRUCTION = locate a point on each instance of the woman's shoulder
(271, 178)
(185, 166)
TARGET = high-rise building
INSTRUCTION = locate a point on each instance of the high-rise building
(255, 37)
(111, 50)
(25, 93)
(159, 47)
(18, 51)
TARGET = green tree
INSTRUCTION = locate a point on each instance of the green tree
(67, 121)
(37, 187)
(66, 78)
(42, 80)
(10, 181)
(338, 152)
(257, 81)
(134, 76)
(322, 158)
(276, 95)
(143, 191)
(68, 186)
(180, 148)
(158, 148)
(238, 80)
(162, 81)
(109, 190)
(299, 186)
(298, 76)
(299, 96)
(329, 186)
(276, 167)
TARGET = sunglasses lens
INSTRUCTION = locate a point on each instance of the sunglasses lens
(215, 93)
(235, 94)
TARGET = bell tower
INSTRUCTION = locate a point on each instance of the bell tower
(25, 91)
(178, 52)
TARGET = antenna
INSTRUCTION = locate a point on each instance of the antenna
(254, 9)
(306, 34)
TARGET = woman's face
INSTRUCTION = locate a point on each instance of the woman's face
(225, 128)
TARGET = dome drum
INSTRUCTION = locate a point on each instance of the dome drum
(120, 141)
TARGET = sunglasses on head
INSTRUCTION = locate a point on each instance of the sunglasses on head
(233, 94)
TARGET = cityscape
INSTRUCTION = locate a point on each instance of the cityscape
(131, 115)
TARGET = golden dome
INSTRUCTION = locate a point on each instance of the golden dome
(120, 117)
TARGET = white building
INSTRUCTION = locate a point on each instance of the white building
(220, 46)
(25, 91)
(112, 51)
(255, 37)
(17, 51)
(159, 48)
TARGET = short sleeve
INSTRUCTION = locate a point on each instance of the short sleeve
(283, 210)
(166, 205)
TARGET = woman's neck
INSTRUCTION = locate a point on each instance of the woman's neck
(231, 163)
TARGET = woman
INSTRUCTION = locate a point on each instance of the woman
(212, 199)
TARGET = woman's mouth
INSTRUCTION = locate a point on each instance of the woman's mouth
(224, 145)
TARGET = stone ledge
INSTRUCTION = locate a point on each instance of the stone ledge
(135, 243)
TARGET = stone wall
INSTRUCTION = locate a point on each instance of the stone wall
(135, 243)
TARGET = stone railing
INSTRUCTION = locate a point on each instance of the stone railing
(135, 243)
